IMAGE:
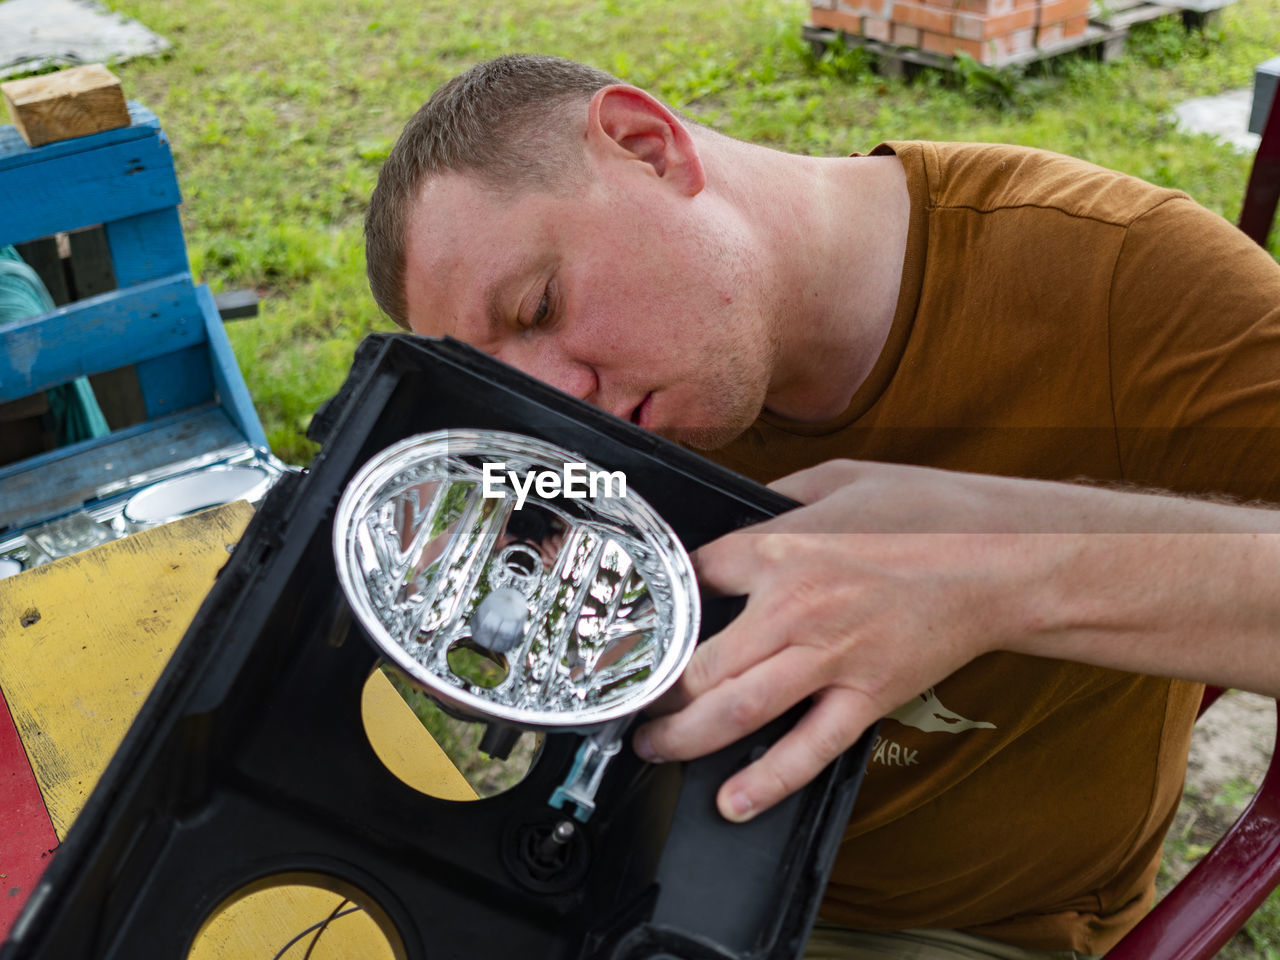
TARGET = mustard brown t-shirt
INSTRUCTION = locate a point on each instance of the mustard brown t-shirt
(1055, 320)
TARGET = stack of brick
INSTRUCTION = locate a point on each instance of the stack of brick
(993, 32)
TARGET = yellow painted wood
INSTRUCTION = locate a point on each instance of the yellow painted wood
(70, 103)
(83, 639)
(258, 926)
(405, 747)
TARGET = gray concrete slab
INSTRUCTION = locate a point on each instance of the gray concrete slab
(38, 33)
(1225, 116)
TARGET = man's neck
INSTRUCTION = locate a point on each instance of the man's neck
(837, 233)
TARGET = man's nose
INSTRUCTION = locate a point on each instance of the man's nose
(556, 367)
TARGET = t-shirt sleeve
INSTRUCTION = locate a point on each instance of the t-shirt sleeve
(1194, 323)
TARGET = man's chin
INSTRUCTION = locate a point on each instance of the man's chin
(702, 437)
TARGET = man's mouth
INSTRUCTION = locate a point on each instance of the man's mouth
(640, 415)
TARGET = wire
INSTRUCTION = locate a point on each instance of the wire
(338, 912)
(323, 927)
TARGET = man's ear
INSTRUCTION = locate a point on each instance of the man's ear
(625, 123)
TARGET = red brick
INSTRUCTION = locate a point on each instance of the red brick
(905, 36)
(932, 19)
(972, 26)
(867, 8)
(876, 28)
(1055, 11)
(835, 20)
(1053, 33)
(937, 43)
(996, 50)
(989, 8)
(1049, 34)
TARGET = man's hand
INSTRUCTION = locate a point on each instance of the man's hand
(889, 578)
(839, 610)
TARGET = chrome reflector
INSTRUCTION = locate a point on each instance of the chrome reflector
(536, 591)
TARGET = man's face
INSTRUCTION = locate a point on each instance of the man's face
(620, 293)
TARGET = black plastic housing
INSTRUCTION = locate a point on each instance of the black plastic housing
(249, 760)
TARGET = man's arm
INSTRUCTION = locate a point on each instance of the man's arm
(933, 569)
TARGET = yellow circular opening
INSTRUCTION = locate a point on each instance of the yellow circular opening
(429, 750)
(298, 916)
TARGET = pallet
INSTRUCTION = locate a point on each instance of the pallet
(1105, 36)
(1123, 14)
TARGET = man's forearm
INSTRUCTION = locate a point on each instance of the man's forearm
(1200, 606)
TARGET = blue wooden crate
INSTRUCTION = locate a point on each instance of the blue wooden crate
(157, 320)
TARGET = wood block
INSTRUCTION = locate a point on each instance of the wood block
(66, 104)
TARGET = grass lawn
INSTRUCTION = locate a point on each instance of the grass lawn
(281, 112)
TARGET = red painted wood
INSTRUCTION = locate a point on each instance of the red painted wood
(1213, 901)
(26, 835)
(1210, 697)
(1262, 194)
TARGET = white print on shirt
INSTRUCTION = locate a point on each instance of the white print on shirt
(926, 712)
(892, 754)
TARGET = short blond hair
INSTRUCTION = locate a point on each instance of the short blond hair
(507, 121)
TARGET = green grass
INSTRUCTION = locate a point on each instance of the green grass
(460, 741)
(281, 112)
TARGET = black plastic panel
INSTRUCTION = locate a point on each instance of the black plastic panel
(250, 760)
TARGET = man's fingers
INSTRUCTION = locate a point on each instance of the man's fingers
(732, 651)
(730, 711)
(745, 642)
(723, 567)
(838, 717)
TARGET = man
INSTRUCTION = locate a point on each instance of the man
(974, 307)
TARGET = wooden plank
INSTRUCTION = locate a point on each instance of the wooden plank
(232, 391)
(98, 334)
(119, 397)
(100, 627)
(236, 304)
(70, 103)
(147, 246)
(42, 256)
(1125, 19)
(108, 620)
(90, 263)
(896, 60)
(26, 834)
(15, 152)
(1100, 12)
(86, 188)
(1193, 6)
(61, 480)
(177, 381)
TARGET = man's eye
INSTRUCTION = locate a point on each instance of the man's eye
(544, 309)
